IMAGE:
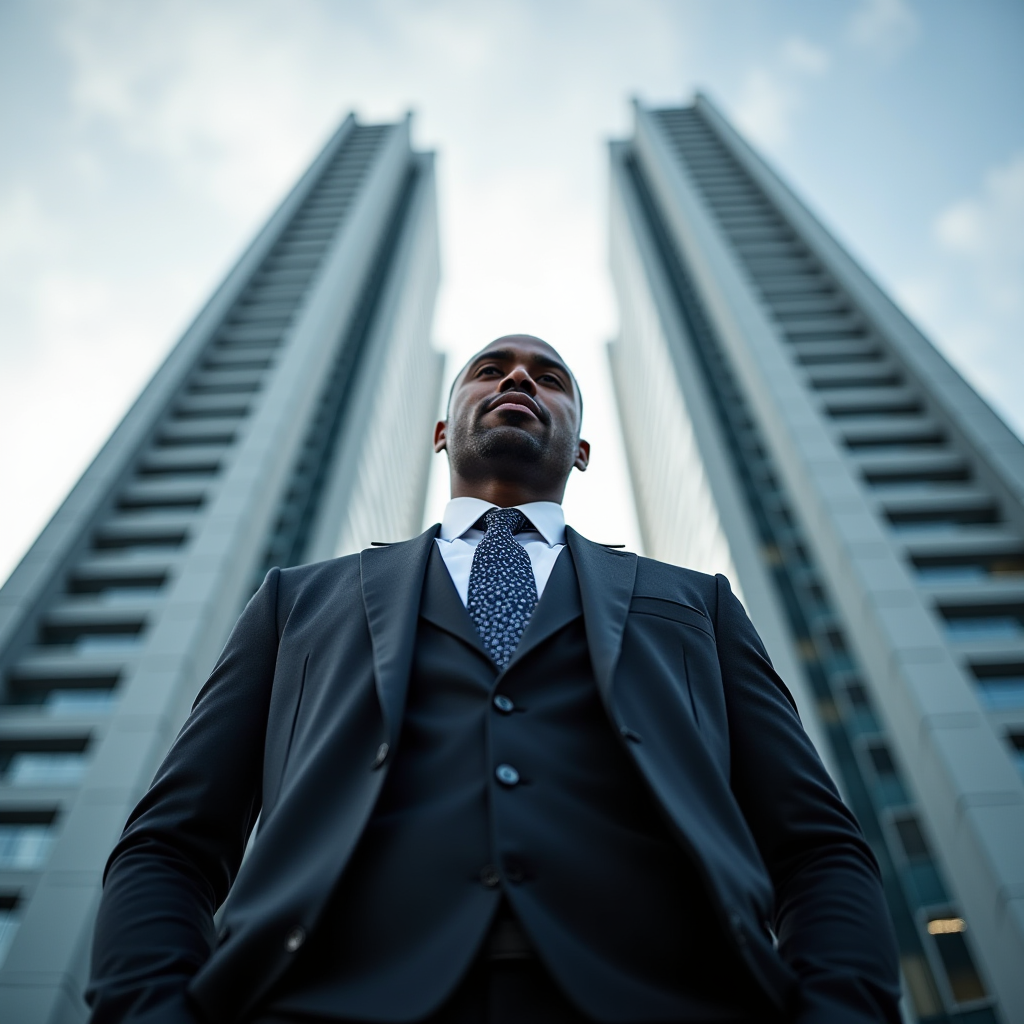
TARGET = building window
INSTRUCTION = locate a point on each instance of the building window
(970, 624)
(919, 868)
(1017, 749)
(9, 920)
(24, 847)
(80, 702)
(911, 838)
(947, 933)
(921, 985)
(859, 713)
(43, 762)
(1000, 685)
(890, 788)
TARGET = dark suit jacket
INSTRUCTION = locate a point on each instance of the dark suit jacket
(311, 686)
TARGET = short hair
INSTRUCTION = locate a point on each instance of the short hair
(451, 390)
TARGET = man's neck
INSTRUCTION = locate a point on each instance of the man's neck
(504, 493)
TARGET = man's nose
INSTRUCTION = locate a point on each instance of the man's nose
(519, 378)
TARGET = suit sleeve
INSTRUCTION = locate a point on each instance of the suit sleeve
(832, 922)
(183, 844)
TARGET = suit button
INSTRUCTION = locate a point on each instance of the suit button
(504, 704)
(514, 872)
(295, 938)
(506, 774)
(489, 876)
(382, 755)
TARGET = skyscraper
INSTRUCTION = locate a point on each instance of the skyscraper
(290, 423)
(787, 425)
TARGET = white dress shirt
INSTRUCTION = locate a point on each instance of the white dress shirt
(458, 539)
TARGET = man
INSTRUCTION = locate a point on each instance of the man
(503, 774)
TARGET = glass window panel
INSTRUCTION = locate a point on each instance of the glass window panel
(961, 973)
(888, 787)
(992, 627)
(858, 695)
(881, 760)
(891, 792)
(860, 716)
(912, 838)
(9, 919)
(97, 642)
(59, 768)
(924, 877)
(80, 702)
(23, 847)
(115, 595)
(1002, 693)
(927, 526)
(951, 573)
(1017, 749)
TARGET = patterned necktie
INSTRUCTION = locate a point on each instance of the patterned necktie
(502, 588)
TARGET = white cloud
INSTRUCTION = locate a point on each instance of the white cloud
(804, 57)
(26, 230)
(765, 107)
(986, 231)
(772, 94)
(972, 298)
(226, 99)
(183, 122)
(885, 27)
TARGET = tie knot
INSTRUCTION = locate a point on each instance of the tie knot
(501, 520)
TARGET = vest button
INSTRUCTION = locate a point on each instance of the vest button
(504, 704)
(507, 775)
(295, 938)
(382, 755)
(489, 876)
(515, 872)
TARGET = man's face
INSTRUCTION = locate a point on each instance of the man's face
(514, 414)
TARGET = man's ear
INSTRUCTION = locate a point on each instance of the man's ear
(582, 456)
(441, 435)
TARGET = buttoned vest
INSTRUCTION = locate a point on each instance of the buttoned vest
(572, 838)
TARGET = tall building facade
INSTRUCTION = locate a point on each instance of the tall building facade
(290, 423)
(787, 425)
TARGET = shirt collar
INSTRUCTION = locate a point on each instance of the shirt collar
(461, 513)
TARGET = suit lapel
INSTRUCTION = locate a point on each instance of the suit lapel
(559, 605)
(606, 581)
(392, 580)
(442, 605)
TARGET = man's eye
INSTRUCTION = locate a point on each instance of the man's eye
(550, 378)
(489, 369)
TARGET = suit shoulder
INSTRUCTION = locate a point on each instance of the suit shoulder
(674, 583)
(316, 577)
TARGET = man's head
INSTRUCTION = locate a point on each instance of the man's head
(513, 428)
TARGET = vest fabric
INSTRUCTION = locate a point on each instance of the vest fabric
(577, 846)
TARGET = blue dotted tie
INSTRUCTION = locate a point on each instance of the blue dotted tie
(502, 588)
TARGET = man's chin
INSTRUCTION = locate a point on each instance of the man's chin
(503, 451)
(509, 441)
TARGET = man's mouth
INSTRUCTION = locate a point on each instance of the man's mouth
(516, 401)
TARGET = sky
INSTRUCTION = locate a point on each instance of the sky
(143, 145)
